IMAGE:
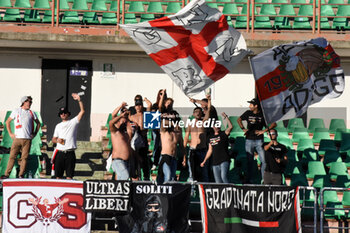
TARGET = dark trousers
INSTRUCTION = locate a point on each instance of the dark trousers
(272, 178)
(65, 161)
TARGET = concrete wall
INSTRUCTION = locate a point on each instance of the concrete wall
(137, 74)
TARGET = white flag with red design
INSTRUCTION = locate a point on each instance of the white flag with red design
(195, 47)
(291, 77)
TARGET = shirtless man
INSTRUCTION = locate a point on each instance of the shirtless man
(121, 134)
(142, 152)
(198, 147)
(170, 138)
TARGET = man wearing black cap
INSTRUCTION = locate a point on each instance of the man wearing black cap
(254, 135)
(138, 101)
(65, 135)
(141, 148)
(24, 120)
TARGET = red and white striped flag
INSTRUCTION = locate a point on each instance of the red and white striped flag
(291, 77)
(195, 47)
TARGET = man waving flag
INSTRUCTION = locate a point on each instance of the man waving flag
(195, 47)
(291, 77)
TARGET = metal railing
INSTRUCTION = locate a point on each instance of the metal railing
(56, 14)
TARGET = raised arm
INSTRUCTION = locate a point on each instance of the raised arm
(81, 105)
(149, 104)
(115, 112)
(161, 100)
(229, 123)
(114, 120)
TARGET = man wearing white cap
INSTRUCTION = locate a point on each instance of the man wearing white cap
(24, 119)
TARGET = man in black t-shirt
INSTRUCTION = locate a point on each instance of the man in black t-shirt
(276, 159)
(254, 135)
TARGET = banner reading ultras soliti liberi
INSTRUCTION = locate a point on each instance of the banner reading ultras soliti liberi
(257, 209)
(195, 47)
(37, 205)
(291, 77)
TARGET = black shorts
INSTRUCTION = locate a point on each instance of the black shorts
(65, 161)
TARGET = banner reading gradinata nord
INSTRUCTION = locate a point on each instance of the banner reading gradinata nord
(231, 208)
(106, 195)
(157, 208)
(47, 206)
(291, 77)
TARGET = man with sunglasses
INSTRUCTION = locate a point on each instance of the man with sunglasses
(24, 119)
(276, 159)
(65, 135)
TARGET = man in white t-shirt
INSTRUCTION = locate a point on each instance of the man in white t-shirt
(65, 135)
(24, 119)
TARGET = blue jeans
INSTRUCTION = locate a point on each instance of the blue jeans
(169, 171)
(220, 172)
(250, 147)
(121, 168)
(195, 158)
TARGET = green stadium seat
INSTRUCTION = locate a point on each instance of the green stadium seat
(63, 5)
(7, 140)
(23, 4)
(299, 135)
(330, 196)
(3, 166)
(241, 21)
(322, 2)
(330, 157)
(155, 7)
(213, 5)
(109, 18)
(31, 16)
(346, 199)
(90, 18)
(136, 7)
(230, 23)
(337, 123)
(298, 180)
(241, 2)
(280, 126)
(325, 145)
(71, 17)
(264, 21)
(309, 155)
(130, 18)
(258, 3)
(277, 2)
(47, 18)
(173, 7)
(319, 134)
(321, 181)
(42, 4)
(315, 168)
(315, 123)
(236, 131)
(5, 3)
(335, 2)
(342, 23)
(294, 122)
(12, 15)
(99, 5)
(286, 141)
(342, 181)
(230, 9)
(79, 5)
(114, 7)
(147, 17)
(331, 212)
(297, 2)
(326, 10)
(345, 142)
(336, 169)
(223, 2)
(304, 10)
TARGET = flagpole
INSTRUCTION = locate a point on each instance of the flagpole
(254, 74)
